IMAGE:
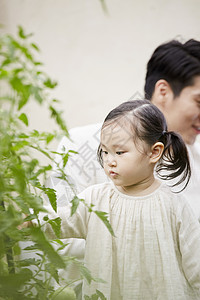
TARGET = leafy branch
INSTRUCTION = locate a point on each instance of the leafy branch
(22, 177)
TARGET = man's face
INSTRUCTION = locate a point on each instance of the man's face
(183, 112)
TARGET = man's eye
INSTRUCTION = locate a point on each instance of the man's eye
(119, 152)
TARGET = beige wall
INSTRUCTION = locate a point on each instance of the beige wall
(98, 59)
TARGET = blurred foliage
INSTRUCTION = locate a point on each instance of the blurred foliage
(22, 178)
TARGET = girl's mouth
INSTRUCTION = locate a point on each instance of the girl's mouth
(113, 174)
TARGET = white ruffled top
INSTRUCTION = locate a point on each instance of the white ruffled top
(155, 253)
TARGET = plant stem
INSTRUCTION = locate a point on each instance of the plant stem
(9, 250)
(9, 256)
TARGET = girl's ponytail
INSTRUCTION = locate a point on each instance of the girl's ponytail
(175, 159)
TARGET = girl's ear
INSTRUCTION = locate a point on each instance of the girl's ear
(156, 152)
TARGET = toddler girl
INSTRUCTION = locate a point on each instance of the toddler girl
(155, 253)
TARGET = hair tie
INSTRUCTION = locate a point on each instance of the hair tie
(163, 134)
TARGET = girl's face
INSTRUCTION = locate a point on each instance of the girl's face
(130, 169)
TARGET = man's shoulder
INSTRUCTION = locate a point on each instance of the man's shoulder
(87, 132)
(82, 135)
(192, 191)
(87, 129)
(194, 150)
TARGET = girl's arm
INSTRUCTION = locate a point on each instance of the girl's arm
(74, 226)
(189, 242)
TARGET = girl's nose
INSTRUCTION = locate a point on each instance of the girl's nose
(111, 161)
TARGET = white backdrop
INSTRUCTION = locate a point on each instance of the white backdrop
(98, 59)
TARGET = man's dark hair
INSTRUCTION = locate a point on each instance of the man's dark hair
(175, 62)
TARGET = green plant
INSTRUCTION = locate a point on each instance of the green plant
(22, 177)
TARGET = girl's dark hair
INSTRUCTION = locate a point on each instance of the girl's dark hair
(148, 124)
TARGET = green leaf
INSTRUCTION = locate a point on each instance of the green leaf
(63, 246)
(50, 137)
(86, 273)
(45, 218)
(96, 296)
(24, 119)
(65, 156)
(22, 34)
(56, 100)
(35, 202)
(14, 233)
(72, 151)
(17, 70)
(19, 177)
(57, 116)
(23, 136)
(19, 145)
(58, 242)
(22, 89)
(101, 295)
(104, 217)
(6, 62)
(35, 133)
(16, 249)
(52, 270)
(75, 202)
(38, 63)
(56, 225)
(43, 244)
(65, 159)
(16, 84)
(5, 222)
(35, 47)
(50, 84)
(36, 91)
(3, 73)
(30, 218)
(51, 193)
(42, 170)
(32, 247)
(12, 282)
(28, 262)
(24, 50)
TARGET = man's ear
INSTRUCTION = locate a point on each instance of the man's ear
(156, 152)
(162, 94)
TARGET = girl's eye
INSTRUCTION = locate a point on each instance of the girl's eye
(119, 152)
(104, 152)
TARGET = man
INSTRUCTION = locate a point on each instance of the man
(173, 85)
